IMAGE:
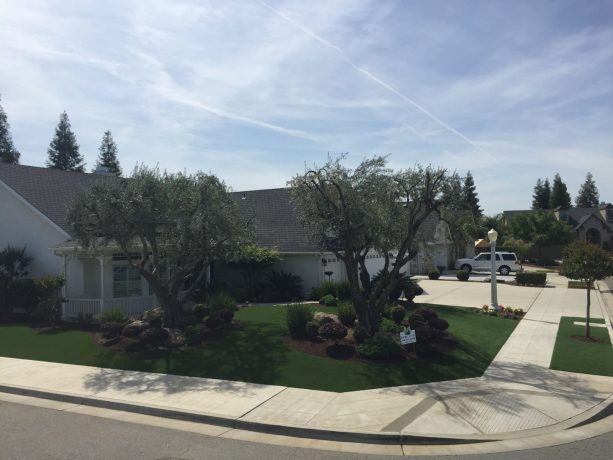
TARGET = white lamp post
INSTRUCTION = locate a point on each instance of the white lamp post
(492, 235)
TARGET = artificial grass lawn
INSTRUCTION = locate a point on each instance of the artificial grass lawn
(584, 357)
(256, 353)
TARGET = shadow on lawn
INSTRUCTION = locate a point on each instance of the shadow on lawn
(253, 353)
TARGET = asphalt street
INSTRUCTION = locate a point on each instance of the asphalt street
(28, 432)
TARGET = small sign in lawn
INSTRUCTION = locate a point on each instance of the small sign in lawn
(407, 337)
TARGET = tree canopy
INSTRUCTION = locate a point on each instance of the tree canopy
(540, 228)
(586, 262)
(169, 226)
(559, 194)
(351, 212)
(8, 152)
(458, 215)
(63, 152)
(469, 192)
(588, 196)
(107, 154)
(541, 199)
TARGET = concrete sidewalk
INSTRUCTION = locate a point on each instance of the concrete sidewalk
(517, 395)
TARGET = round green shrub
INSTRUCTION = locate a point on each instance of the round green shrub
(379, 347)
(214, 322)
(346, 314)
(201, 310)
(397, 313)
(434, 274)
(426, 313)
(220, 301)
(439, 324)
(328, 300)
(387, 325)
(426, 334)
(193, 334)
(312, 330)
(462, 275)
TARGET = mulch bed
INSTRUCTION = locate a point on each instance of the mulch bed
(582, 338)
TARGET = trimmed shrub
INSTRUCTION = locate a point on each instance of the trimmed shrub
(325, 320)
(193, 334)
(434, 274)
(328, 300)
(439, 324)
(111, 329)
(379, 347)
(397, 313)
(346, 314)
(115, 315)
(462, 275)
(333, 331)
(416, 320)
(359, 334)
(222, 301)
(297, 317)
(426, 334)
(201, 310)
(214, 322)
(531, 278)
(312, 330)
(226, 315)
(387, 325)
(426, 313)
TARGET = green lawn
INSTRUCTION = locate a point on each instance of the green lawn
(256, 353)
(584, 357)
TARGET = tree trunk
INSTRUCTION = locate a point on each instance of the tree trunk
(173, 313)
(587, 315)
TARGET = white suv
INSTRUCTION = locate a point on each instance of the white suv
(506, 262)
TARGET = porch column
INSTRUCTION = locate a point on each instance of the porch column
(101, 261)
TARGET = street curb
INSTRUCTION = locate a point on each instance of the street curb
(386, 438)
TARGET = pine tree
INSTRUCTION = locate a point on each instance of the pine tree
(542, 194)
(64, 151)
(588, 196)
(8, 153)
(470, 196)
(107, 156)
(559, 194)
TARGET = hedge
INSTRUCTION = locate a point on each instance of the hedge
(531, 278)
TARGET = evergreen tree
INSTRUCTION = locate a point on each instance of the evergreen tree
(8, 153)
(542, 195)
(588, 196)
(107, 156)
(64, 151)
(469, 192)
(559, 194)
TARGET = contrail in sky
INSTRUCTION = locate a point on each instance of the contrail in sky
(372, 77)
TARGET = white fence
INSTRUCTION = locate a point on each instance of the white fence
(131, 306)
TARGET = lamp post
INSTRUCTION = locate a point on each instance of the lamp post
(492, 235)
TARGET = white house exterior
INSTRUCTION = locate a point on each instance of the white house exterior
(33, 205)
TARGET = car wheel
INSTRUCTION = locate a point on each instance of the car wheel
(467, 268)
(504, 270)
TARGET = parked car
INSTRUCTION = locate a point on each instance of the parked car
(506, 262)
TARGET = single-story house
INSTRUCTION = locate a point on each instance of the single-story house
(33, 204)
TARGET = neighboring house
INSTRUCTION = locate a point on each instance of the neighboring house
(588, 224)
(33, 205)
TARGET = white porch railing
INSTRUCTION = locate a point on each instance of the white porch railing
(131, 306)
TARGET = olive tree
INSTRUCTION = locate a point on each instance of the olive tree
(351, 212)
(168, 226)
(586, 262)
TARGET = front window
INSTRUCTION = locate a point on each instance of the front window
(126, 281)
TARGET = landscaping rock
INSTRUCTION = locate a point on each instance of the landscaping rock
(111, 341)
(176, 338)
(154, 317)
(134, 328)
(320, 315)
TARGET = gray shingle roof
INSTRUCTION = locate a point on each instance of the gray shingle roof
(274, 219)
(48, 190)
(51, 191)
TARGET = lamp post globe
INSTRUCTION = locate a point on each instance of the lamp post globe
(492, 235)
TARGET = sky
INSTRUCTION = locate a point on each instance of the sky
(255, 91)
